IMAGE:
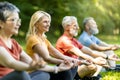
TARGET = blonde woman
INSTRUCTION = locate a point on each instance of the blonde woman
(37, 43)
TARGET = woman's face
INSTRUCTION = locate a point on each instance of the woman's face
(12, 24)
(43, 24)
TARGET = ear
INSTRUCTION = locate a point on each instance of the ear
(87, 27)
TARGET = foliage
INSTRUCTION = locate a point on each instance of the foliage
(106, 13)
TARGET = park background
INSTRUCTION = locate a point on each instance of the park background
(105, 12)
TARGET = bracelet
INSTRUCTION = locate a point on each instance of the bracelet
(55, 69)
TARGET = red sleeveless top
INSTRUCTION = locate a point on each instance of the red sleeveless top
(15, 53)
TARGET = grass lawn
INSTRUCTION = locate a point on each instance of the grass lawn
(109, 39)
(111, 75)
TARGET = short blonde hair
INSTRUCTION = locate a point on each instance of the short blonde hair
(36, 17)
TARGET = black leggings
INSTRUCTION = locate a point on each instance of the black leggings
(64, 75)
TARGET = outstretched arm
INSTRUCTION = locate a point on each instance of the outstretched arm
(43, 52)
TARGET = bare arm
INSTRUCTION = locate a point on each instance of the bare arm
(55, 53)
(93, 53)
(56, 69)
(25, 58)
(8, 61)
(79, 53)
(44, 53)
(100, 48)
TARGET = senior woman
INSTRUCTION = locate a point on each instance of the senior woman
(13, 60)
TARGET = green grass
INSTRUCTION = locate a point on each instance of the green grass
(110, 75)
(111, 39)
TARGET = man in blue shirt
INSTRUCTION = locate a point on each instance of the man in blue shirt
(88, 39)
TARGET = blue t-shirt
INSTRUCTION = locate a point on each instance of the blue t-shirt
(87, 40)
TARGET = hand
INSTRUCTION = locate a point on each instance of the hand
(65, 66)
(36, 64)
(76, 62)
(115, 47)
(114, 57)
(100, 61)
(86, 62)
(106, 66)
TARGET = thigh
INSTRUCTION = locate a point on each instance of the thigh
(40, 75)
(74, 71)
(17, 75)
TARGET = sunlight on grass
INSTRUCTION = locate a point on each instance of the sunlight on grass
(111, 75)
(111, 40)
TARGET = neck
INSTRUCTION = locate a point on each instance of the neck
(7, 40)
(4, 36)
(88, 32)
(40, 33)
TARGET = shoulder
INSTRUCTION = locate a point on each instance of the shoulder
(62, 39)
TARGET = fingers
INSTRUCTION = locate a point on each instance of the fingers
(114, 57)
(86, 62)
(106, 66)
(100, 61)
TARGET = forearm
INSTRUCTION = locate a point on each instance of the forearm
(18, 65)
(87, 57)
(80, 53)
(53, 60)
(57, 54)
(93, 53)
(48, 68)
(100, 54)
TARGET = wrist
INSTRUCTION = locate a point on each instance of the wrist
(55, 69)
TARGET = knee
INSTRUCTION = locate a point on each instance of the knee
(92, 67)
(84, 70)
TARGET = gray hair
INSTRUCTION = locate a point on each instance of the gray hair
(6, 9)
(67, 20)
(85, 21)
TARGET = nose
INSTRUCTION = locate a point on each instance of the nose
(48, 23)
(19, 23)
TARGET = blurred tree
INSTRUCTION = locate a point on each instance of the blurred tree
(106, 13)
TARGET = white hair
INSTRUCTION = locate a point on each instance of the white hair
(67, 20)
